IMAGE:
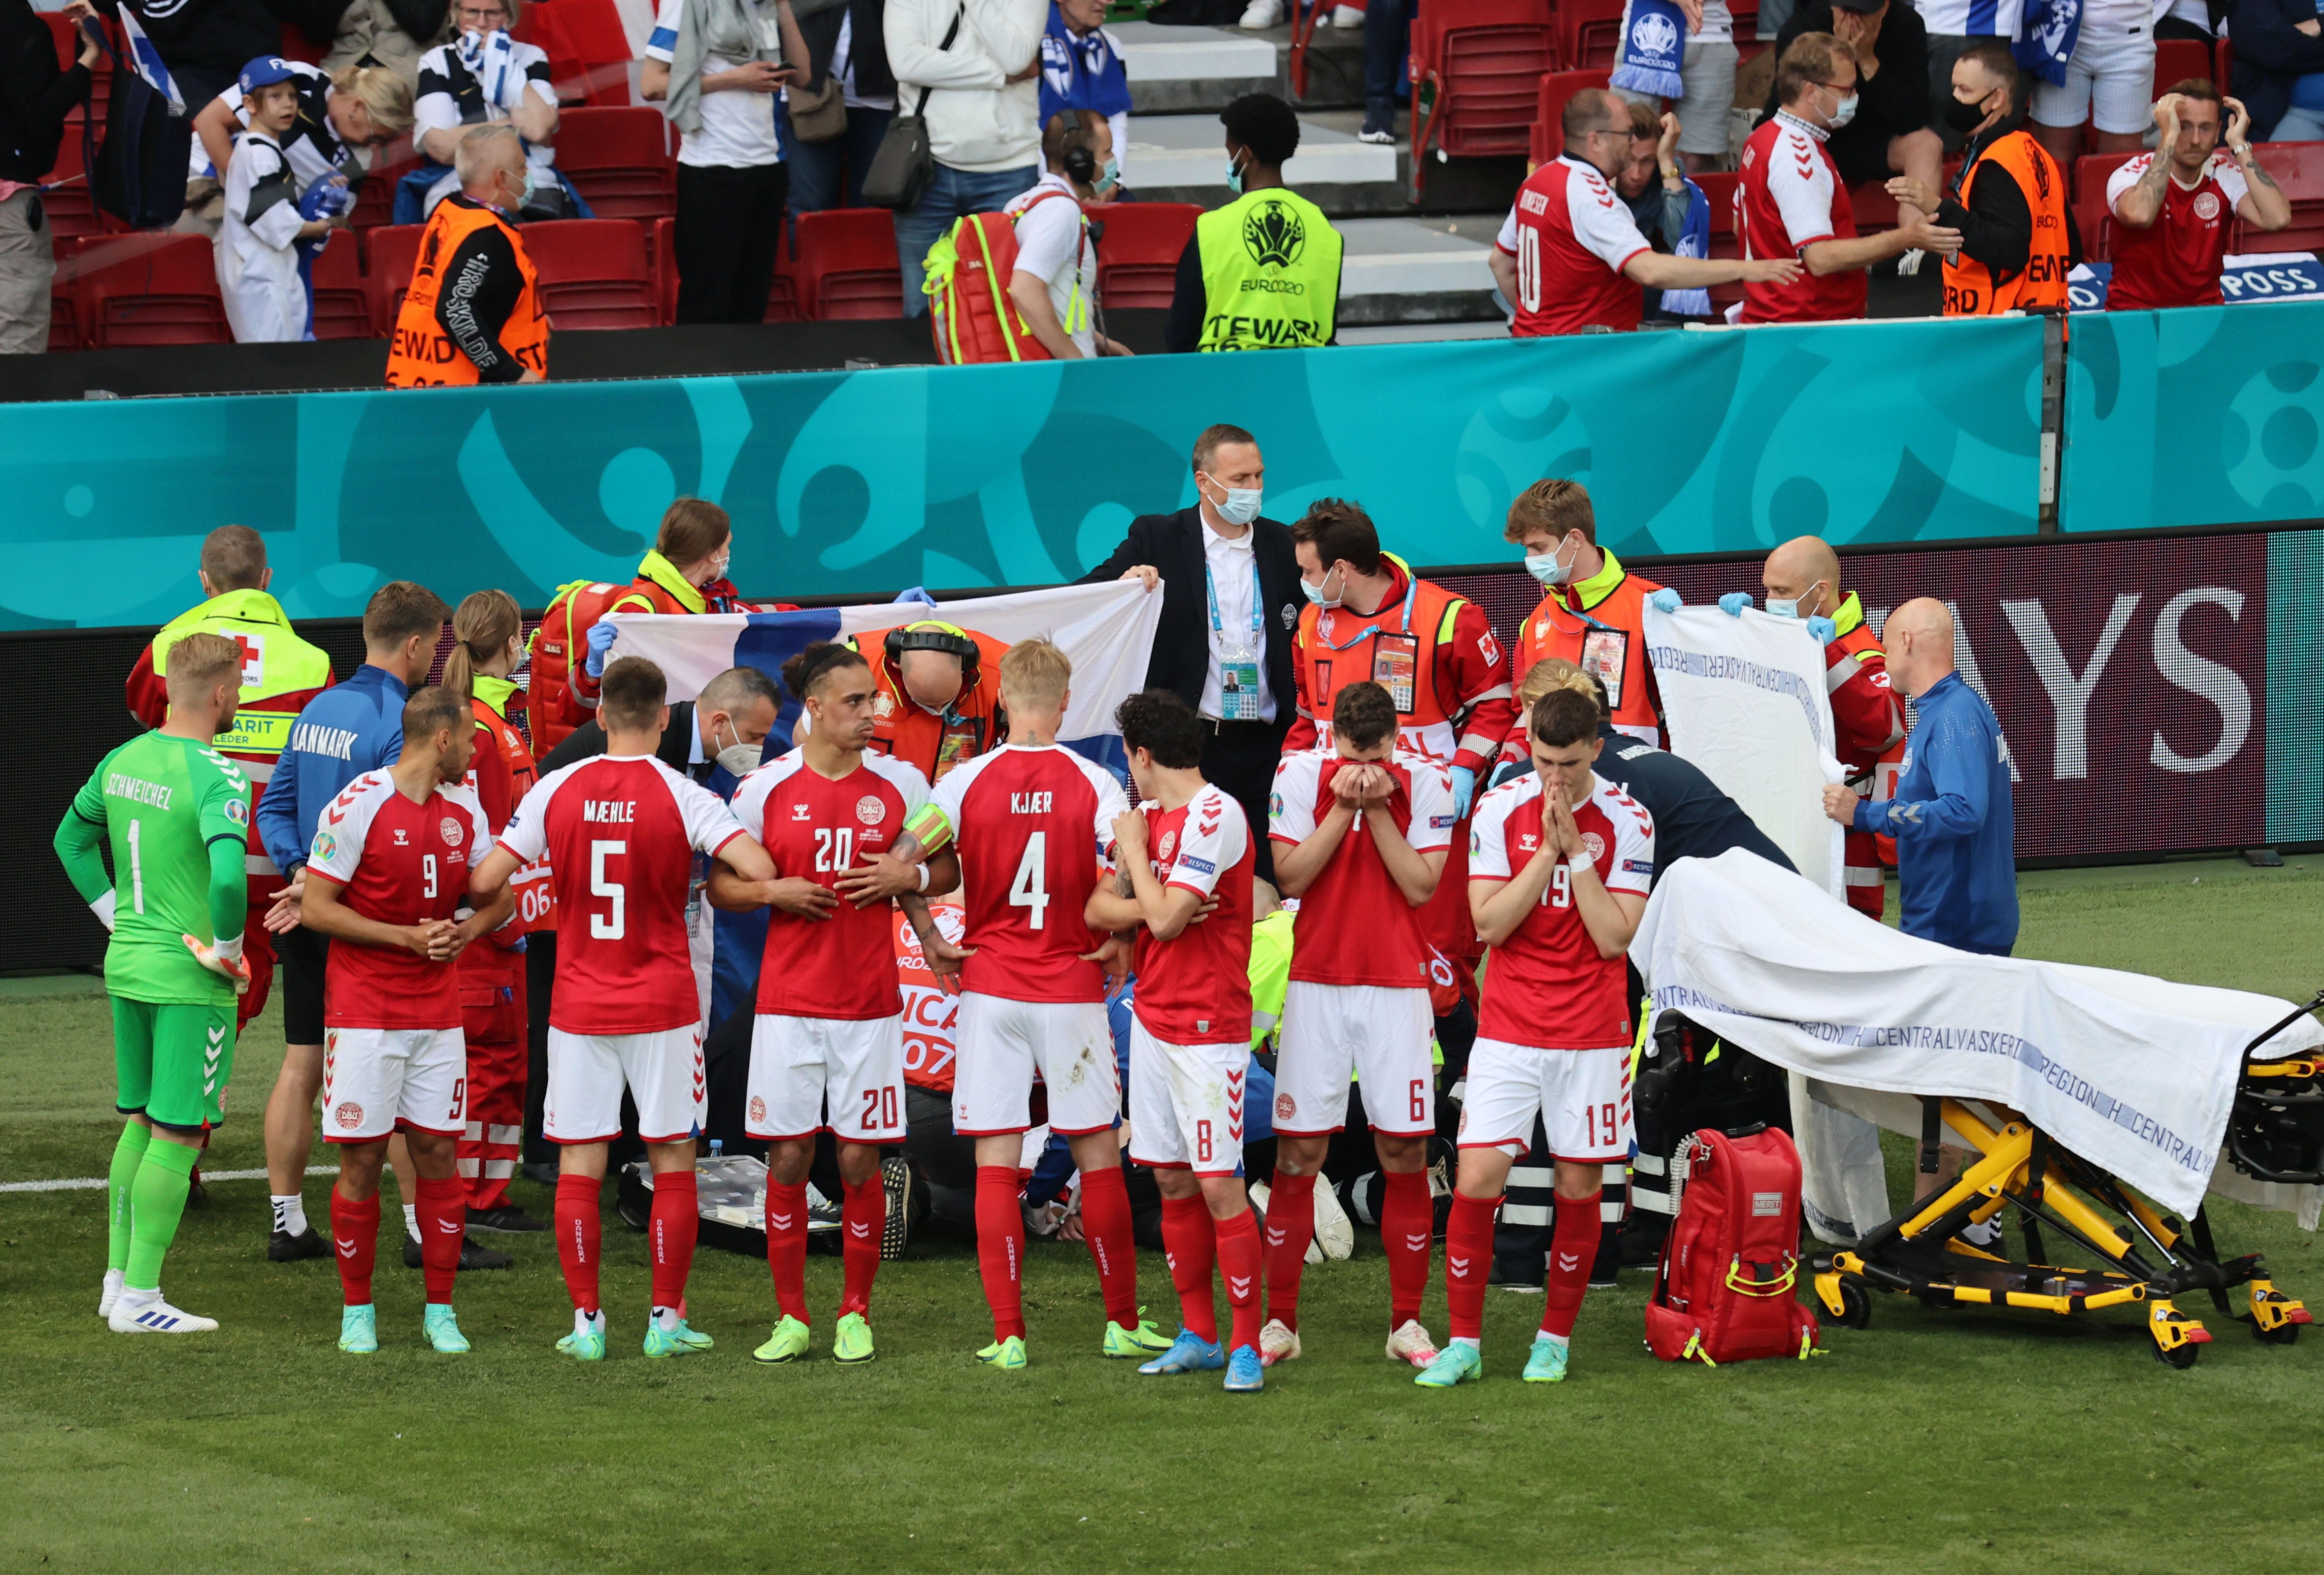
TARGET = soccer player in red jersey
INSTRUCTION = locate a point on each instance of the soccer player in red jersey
(620, 831)
(1033, 823)
(827, 1048)
(1187, 845)
(1362, 834)
(1559, 862)
(387, 875)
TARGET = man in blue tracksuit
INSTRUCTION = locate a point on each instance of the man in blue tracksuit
(345, 731)
(1952, 817)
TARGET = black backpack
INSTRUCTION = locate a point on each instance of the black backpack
(139, 173)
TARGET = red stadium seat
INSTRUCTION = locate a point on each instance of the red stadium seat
(661, 256)
(1557, 89)
(1875, 209)
(2299, 168)
(146, 289)
(1137, 251)
(376, 197)
(1718, 187)
(2092, 215)
(589, 51)
(2177, 58)
(296, 47)
(1589, 33)
(390, 252)
(1477, 69)
(621, 161)
(2225, 53)
(1748, 41)
(846, 266)
(593, 272)
(343, 308)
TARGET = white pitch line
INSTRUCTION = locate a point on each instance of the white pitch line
(90, 1183)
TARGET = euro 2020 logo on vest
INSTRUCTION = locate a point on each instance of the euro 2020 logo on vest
(1654, 35)
(1273, 232)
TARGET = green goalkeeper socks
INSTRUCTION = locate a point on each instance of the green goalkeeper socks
(157, 1200)
(127, 1155)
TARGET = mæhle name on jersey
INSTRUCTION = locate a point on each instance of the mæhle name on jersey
(609, 812)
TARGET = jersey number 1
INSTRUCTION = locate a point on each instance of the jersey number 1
(1027, 890)
(610, 924)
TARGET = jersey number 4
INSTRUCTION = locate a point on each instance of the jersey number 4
(1027, 890)
(611, 924)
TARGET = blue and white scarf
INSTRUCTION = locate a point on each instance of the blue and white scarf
(2046, 36)
(1693, 241)
(1654, 47)
(1081, 73)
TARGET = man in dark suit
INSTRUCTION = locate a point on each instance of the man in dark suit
(1230, 602)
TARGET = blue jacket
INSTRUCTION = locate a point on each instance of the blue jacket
(1954, 823)
(347, 729)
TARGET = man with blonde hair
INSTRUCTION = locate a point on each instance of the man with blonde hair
(1034, 826)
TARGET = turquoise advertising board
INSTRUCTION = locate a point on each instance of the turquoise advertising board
(863, 483)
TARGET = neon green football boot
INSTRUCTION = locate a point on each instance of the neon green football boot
(359, 1330)
(1006, 1355)
(1141, 1342)
(787, 1343)
(852, 1340)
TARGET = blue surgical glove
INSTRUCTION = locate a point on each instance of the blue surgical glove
(917, 594)
(1464, 788)
(1824, 629)
(1735, 603)
(601, 638)
(1665, 601)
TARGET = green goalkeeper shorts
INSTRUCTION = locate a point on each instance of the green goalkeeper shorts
(171, 1060)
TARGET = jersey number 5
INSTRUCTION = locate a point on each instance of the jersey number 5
(1027, 890)
(610, 924)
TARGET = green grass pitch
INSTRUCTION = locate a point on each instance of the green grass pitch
(1935, 1440)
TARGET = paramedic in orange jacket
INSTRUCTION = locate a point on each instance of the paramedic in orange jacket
(935, 701)
(1369, 617)
(280, 674)
(1592, 613)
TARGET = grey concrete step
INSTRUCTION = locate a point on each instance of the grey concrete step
(1407, 270)
(1177, 69)
(1182, 158)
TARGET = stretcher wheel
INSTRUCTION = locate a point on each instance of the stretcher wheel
(2284, 1336)
(1855, 1305)
(2180, 1358)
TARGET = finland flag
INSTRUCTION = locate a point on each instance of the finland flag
(146, 60)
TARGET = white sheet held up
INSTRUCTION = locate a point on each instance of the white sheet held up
(1744, 700)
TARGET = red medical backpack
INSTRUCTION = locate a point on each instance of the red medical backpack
(1727, 1289)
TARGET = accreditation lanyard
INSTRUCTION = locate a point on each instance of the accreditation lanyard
(1605, 652)
(1238, 672)
(1395, 653)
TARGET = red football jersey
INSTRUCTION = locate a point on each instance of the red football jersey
(815, 828)
(401, 863)
(1572, 236)
(620, 833)
(931, 1012)
(1033, 823)
(2175, 261)
(1354, 925)
(1195, 988)
(1790, 197)
(1545, 985)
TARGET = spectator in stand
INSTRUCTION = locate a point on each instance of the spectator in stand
(1889, 132)
(34, 99)
(1671, 212)
(1387, 41)
(1279, 291)
(849, 42)
(2186, 22)
(483, 77)
(2280, 68)
(1081, 69)
(359, 107)
(2174, 205)
(1569, 259)
(2103, 72)
(393, 34)
(717, 66)
(271, 233)
(1793, 203)
(1952, 26)
(204, 43)
(1055, 284)
(984, 129)
(1706, 76)
(2018, 236)
(473, 313)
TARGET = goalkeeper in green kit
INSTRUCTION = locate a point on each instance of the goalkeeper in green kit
(177, 814)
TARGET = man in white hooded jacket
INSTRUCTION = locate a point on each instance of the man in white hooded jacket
(972, 69)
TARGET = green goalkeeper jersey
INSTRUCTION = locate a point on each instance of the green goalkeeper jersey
(161, 802)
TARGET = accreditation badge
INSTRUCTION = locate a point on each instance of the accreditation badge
(1396, 667)
(1605, 657)
(1238, 689)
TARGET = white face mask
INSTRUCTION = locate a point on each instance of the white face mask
(739, 758)
(1780, 608)
(1315, 591)
(1546, 566)
(1844, 113)
(1242, 506)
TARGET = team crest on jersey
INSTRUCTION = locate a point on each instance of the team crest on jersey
(1167, 846)
(868, 809)
(758, 1109)
(325, 846)
(1285, 1107)
(237, 810)
(1594, 845)
(2207, 206)
(450, 827)
(349, 1114)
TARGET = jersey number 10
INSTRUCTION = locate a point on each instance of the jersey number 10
(1529, 268)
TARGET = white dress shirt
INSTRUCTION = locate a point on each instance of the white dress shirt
(1234, 575)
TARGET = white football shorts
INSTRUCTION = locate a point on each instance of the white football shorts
(379, 1081)
(1000, 1044)
(811, 1072)
(1381, 1035)
(588, 1072)
(1186, 1103)
(1582, 1096)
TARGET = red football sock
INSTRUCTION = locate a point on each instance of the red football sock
(1407, 1220)
(1290, 1227)
(443, 1208)
(670, 1229)
(787, 1247)
(1572, 1247)
(354, 1232)
(1467, 1264)
(1239, 1253)
(1000, 1248)
(577, 1230)
(864, 1212)
(1113, 1246)
(1189, 1245)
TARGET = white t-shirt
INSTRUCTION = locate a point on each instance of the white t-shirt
(738, 129)
(1717, 24)
(1053, 244)
(1234, 569)
(842, 66)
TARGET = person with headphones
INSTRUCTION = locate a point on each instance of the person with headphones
(936, 696)
(1053, 285)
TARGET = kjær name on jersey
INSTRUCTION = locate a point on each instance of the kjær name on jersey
(1031, 803)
